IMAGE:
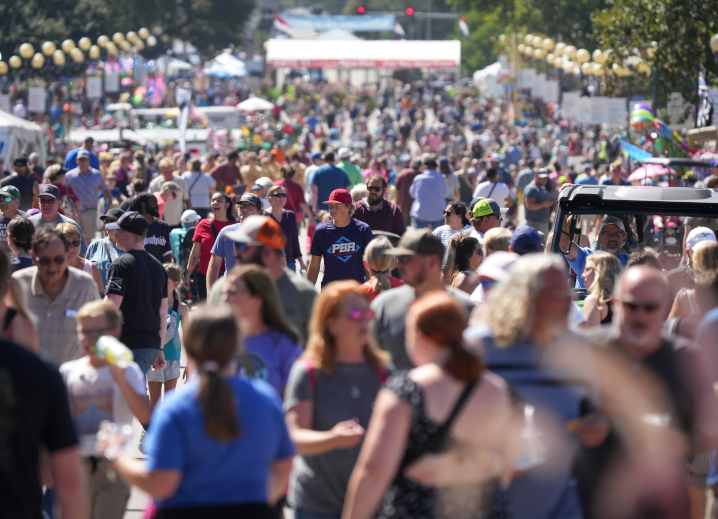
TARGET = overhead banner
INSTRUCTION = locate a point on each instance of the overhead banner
(363, 23)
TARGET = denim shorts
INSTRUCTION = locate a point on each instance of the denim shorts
(169, 372)
(145, 357)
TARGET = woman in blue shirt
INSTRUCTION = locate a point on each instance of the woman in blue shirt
(219, 448)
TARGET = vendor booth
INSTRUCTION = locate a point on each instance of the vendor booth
(20, 137)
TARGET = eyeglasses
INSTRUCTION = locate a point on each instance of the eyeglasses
(57, 260)
(6, 199)
(278, 195)
(357, 314)
(247, 207)
(239, 246)
(74, 243)
(447, 213)
(635, 306)
(375, 188)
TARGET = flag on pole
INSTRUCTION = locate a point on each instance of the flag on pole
(704, 117)
(464, 27)
(399, 31)
(282, 26)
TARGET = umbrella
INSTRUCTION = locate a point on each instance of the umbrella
(650, 171)
(255, 104)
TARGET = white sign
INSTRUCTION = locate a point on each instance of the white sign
(5, 103)
(616, 113)
(551, 90)
(36, 99)
(598, 110)
(584, 110)
(539, 86)
(112, 82)
(5, 146)
(530, 76)
(570, 104)
(94, 87)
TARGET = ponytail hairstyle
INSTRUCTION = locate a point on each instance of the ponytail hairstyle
(462, 247)
(460, 209)
(211, 339)
(175, 274)
(379, 262)
(441, 319)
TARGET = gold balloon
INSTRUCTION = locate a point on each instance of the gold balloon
(539, 53)
(559, 49)
(620, 71)
(570, 51)
(528, 50)
(67, 46)
(26, 51)
(144, 33)
(77, 55)
(598, 56)
(157, 30)
(38, 60)
(520, 47)
(118, 37)
(58, 57)
(126, 45)
(598, 70)
(111, 49)
(714, 43)
(651, 51)
(549, 44)
(131, 36)
(587, 68)
(550, 57)
(140, 45)
(537, 42)
(84, 43)
(570, 67)
(94, 52)
(3, 68)
(48, 48)
(582, 56)
(528, 39)
(15, 61)
(102, 41)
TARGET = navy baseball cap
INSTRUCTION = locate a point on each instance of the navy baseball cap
(526, 240)
(316, 155)
(251, 198)
(50, 190)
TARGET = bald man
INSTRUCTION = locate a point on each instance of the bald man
(670, 373)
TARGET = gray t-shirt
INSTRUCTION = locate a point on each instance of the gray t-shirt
(318, 483)
(389, 324)
(39, 223)
(540, 195)
(297, 295)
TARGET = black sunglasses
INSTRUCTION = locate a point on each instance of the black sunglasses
(447, 213)
(74, 243)
(635, 306)
(375, 188)
(278, 195)
(57, 260)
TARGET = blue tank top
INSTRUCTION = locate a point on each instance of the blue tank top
(172, 348)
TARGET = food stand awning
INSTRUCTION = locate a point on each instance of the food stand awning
(364, 54)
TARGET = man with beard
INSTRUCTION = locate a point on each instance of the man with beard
(376, 211)
(157, 241)
(259, 240)
(611, 236)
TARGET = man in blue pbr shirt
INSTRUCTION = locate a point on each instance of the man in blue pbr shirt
(341, 242)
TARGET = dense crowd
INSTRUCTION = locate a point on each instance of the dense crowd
(370, 332)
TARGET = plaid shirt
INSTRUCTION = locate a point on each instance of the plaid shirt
(56, 319)
(86, 185)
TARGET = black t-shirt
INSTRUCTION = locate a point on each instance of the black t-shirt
(34, 411)
(141, 280)
(24, 184)
(157, 242)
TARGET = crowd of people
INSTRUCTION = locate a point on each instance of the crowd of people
(418, 354)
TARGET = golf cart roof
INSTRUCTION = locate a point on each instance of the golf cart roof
(645, 200)
(675, 162)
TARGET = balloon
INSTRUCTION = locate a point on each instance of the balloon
(642, 106)
(137, 99)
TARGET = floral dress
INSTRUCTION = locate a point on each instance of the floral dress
(408, 500)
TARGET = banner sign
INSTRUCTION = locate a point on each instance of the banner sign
(36, 100)
(365, 23)
(616, 112)
(94, 87)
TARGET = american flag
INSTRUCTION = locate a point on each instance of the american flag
(196, 115)
(220, 140)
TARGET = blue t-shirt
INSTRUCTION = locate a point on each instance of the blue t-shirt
(71, 160)
(586, 180)
(272, 354)
(580, 263)
(102, 253)
(609, 182)
(342, 249)
(328, 178)
(213, 472)
(224, 247)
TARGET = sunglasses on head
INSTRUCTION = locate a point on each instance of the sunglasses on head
(45, 261)
(6, 199)
(635, 306)
(357, 314)
(375, 188)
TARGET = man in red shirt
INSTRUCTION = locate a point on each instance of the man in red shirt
(227, 174)
(402, 183)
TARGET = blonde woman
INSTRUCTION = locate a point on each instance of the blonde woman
(329, 399)
(73, 237)
(600, 274)
(379, 264)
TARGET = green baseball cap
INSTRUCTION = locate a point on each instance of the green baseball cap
(10, 191)
(487, 207)
(418, 242)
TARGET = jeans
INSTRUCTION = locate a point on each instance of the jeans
(302, 514)
(145, 357)
(423, 224)
(292, 265)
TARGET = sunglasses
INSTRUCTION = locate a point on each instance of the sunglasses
(240, 247)
(279, 195)
(247, 206)
(616, 235)
(357, 314)
(447, 213)
(635, 306)
(375, 188)
(47, 201)
(74, 243)
(46, 262)
(487, 284)
(6, 199)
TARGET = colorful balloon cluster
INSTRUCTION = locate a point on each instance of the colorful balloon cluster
(642, 117)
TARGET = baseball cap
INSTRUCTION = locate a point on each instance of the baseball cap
(19, 161)
(542, 173)
(189, 217)
(612, 220)
(696, 236)
(49, 190)
(259, 230)
(495, 157)
(83, 154)
(345, 153)
(10, 191)
(253, 199)
(262, 183)
(486, 207)
(130, 221)
(316, 155)
(114, 214)
(339, 196)
(526, 240)
(497, 265)
(418, 241)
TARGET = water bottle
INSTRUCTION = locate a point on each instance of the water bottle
(113, 351)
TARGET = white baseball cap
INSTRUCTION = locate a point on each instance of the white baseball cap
(497, 265)
(699, 235)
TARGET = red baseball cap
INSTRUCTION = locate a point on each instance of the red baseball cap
(339, 196)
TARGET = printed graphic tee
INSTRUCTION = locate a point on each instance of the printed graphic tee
(342, 249)
(157, 241)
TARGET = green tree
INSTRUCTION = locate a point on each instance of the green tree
(681, 30)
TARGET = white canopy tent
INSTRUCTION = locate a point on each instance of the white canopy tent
(488, 80)
(225, 66)
(18, 136)
(337, 34)
(364, 54)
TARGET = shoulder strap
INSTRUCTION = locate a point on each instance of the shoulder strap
(199, 175)
(312, 374)
(492, 190)
(214, 229)
(9, 316)
(175, 306)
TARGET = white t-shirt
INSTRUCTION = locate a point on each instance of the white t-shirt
(575, 317)
(199, 193)
(479, 236)
(498, 191)
(95, 396)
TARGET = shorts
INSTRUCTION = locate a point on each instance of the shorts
(88, 223)
(169, 372)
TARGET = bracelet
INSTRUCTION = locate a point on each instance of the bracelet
(162, 349)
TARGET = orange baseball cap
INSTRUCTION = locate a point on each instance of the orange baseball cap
(259, 230)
